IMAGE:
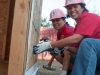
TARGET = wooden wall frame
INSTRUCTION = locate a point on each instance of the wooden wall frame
(18, 49)
(4, 19)
(25, 33)
(5, 33)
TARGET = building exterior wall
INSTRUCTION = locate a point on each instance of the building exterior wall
(51, 34)
(33, 38)
(48, 32)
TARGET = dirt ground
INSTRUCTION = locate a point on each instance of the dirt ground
(43, 71)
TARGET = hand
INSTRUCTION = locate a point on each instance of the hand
(57, 50)
(41, 47)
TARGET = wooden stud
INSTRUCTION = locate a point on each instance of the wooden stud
(18, 49)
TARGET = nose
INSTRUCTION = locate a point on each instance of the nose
(54, 23)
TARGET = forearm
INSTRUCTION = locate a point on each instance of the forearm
(64, 42)
(41, 47)
(67, 41)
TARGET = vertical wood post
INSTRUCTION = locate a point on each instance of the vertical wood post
(18, 49)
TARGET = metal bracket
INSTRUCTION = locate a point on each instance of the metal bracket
(37, 26)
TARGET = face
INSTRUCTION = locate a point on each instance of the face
(75, 11)
(58, 23)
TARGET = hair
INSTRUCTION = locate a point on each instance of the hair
(63, 18)
(66, 22)
(83, 6)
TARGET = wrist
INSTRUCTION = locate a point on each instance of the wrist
(53, 44)
(50, 44)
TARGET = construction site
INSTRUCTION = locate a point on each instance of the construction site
(20, 30)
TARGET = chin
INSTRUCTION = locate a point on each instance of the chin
(57, 28)
(74, 17)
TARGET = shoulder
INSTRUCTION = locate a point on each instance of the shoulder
(69, 28)
(68, 31)
(90, 17)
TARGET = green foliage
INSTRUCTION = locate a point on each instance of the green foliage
(45, 23)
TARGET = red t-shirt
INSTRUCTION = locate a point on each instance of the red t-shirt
(88, 25)
(66, 31)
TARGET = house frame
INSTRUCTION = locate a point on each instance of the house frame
(20, 25)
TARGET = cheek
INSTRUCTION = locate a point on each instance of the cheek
(60, 24)
(79, 12)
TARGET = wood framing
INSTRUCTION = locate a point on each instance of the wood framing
(19, 31)
(35, 30)
(25, 33)
(5, 32)
(18, 47)
(4, 16)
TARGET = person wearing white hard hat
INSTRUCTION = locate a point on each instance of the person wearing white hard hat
(87, 33)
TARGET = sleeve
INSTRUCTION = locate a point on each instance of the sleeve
(86, 26)
(69, 31)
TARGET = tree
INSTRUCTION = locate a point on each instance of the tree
(95, 11)
(45, 23)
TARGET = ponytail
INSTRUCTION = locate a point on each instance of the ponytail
(67, 24)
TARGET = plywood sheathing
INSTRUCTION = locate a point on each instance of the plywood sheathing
(35, 32)
(18, 46)
(4, 13)
(9, 30)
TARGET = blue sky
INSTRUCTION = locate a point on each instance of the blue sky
(49, 5)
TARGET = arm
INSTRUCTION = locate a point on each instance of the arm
(45, 46)
(67, 41)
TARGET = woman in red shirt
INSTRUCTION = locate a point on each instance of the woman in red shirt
(57, 17)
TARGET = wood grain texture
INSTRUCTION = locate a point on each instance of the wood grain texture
(4, 13)
(35, 32)
(20, 32)
(18, 49)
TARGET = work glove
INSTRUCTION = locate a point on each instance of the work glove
(57, 50)
(41, 47)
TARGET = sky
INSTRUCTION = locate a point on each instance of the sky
(49, 5)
